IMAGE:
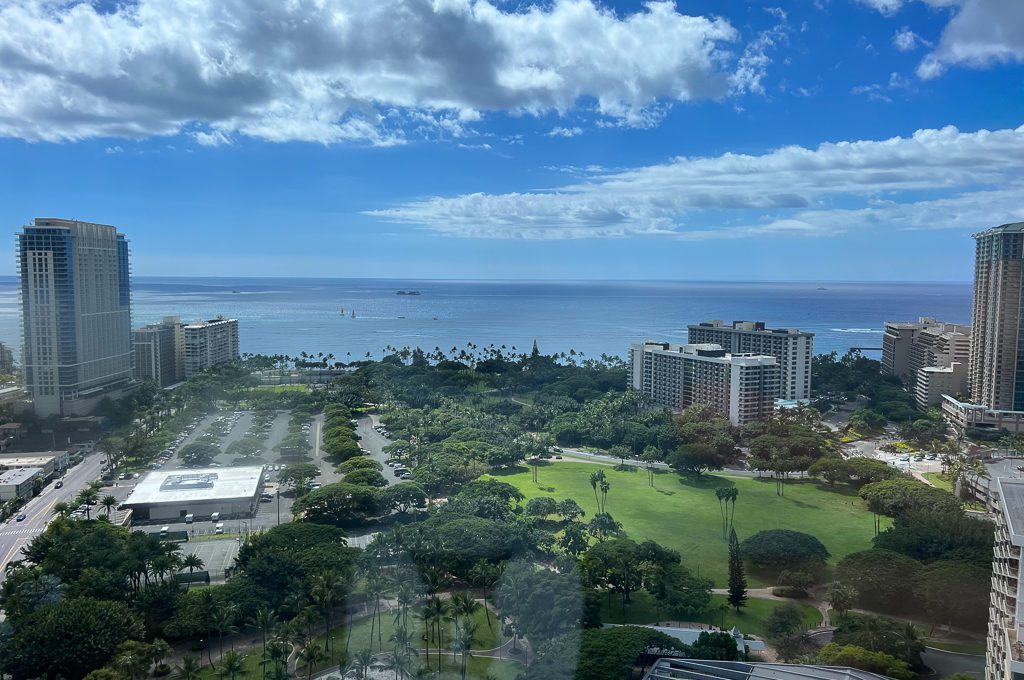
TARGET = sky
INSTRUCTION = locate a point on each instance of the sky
(562, 139)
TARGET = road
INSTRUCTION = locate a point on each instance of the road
(38, 511)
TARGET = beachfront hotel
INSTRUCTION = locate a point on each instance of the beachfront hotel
(741, 387)
(160, 352)
(930, 356)
(76, 314)
(209, 343)
(792, 348)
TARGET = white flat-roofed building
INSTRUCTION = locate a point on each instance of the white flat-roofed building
(1004, 657)
(740, 387)
(963, 415)
(49, 463)
(172, 494)
(209, 343)
(18, 483)
(791, 347)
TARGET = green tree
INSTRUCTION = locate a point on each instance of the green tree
(858, 657)
(785, 621)
(190, 667)
(737, 574)
(541, 506)
(339, 503)
(309, 657)
(784, 549)
(841, 598)
(231, 665)
(108, 503)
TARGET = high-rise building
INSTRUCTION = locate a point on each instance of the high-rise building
(76, 314)
(740, 387)
(160, 352)
(793, 349)
(208, 343)
(996, 366)
(6, 359)
(930, 356)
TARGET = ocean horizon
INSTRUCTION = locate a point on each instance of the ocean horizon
(287, 315)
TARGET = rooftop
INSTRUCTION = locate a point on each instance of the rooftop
(678, 669)
(203, 484)
(1011, 491)
(18, 475)
(748, 327)
(26, 459)
(1002, 228)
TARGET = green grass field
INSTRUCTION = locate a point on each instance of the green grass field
(750, 619)
(684, 514)
(939, 480)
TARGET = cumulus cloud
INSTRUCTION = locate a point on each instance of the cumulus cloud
(565, 132)
(972, 179)
(981, 33)
(348, 70)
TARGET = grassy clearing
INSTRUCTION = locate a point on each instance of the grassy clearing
(750, 619)
(282, 388)
(684, 514)
(939, 480)
(966, 648)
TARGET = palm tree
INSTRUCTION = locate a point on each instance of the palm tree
(360, 664)
(309, 656)
(87, 497)
(463, 640)
(433, 614)
(224, 623)
(108, 503)
(61, 509)
(909, 638)
(327, 593)
(276, 653)
(193, 562)
(265, 619)
(159, 650)
(133, 661)
(231, 665)
(189, 668)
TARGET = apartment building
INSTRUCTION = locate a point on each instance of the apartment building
(6, 359)
(741, 387)
(159, 351)
(792, 348)
(76, 314)
(1004, 654)
(996, 365)
(209, 343)
(923, 353)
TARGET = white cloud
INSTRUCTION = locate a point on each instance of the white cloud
(905, 40)
(980, 34)
(565, 132)
(932, 179)
(337, 70)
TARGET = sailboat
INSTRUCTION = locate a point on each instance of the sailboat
(353, 313)
(342, 311)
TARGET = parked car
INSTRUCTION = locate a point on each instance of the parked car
(405, 475)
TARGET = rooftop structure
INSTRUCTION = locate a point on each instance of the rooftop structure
(697, 669)
(18, 483)
(169, 494)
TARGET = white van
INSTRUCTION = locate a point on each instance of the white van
(189, 518)
(215, 517)
(164, 531)
(219, 529)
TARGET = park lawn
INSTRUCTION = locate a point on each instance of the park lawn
(683, 514)
(939, 480)
(749, 620)
(281, 388)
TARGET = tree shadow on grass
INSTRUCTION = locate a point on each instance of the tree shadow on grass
(706, 482)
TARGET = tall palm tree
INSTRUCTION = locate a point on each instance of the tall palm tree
(265, 619)
(189, 668)
(276, 653)
(61, 509)
(309, 656)
(158, 651)
(108, 503)
(360, 664)
(464, 637)
(326, 591)
(87, 497)
(192, 562)
(224, 623)
(133, 661)
(231, 665)
(433, 614)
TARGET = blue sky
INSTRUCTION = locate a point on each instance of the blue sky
(828, 140)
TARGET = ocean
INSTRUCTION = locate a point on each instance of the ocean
(290, 315)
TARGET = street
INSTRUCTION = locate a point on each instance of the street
(15, 535)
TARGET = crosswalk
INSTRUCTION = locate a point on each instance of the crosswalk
(18, 532)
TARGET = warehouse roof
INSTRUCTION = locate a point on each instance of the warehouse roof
(205, 484)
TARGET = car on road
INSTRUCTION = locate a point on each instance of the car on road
(405, 475)
(904, 459)
(20, 517)
(58, 484)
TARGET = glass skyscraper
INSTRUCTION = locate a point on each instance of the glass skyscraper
(76, 314)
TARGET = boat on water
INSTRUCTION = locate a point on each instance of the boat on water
(407, 292)
(353, 313)
(342, 312)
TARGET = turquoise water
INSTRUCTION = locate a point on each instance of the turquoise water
(290, 316)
